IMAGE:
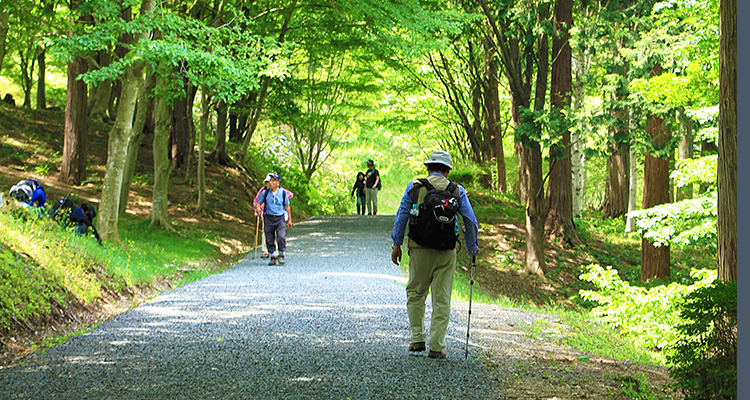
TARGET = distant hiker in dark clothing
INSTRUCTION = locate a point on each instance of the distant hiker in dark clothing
(359, 188)
(372, 185)
(276, 210)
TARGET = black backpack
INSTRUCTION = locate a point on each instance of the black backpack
(435, 225)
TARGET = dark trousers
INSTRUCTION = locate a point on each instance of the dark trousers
(360, 205)
(275, 230)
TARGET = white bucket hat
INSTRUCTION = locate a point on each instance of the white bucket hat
(440, 157)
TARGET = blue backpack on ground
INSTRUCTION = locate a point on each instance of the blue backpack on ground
(29, 192)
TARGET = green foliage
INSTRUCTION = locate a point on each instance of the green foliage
(26, 291)
(648, 316)
(686, 223)
(696, 171)
(463, 177)
(689, 222)
(704, 359)
(637, 388)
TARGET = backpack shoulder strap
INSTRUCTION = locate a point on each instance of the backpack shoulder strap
(452, 186)
(422, 182)
(265, 195)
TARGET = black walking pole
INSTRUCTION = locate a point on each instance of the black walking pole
(471, 291)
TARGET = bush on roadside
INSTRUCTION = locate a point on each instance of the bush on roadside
(704, 359)
(649, 316)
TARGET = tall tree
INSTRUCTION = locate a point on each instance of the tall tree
(529, 130)
(41, 83)
(219, 154)
(4, 27)
(159, 215)
(685, 151)
(655, 259)
(727, 170)
(121, 135)
(559, 221)
(73, 167)
(262, 92)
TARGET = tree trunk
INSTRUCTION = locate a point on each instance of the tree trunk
(260, 104)
(179, 132)
(685, 152)
(141, 114)
(203, 130)
(27, 62)
(492, 112)
(632, 191)
(727, 169)
(4, 28)
(655, 260)
(577, 145)
(73, 167)
(162, 167)
(122, 133)
(535, 210)
(616, 190)
(234, 132)
(192, 91)
(41, 83)
(559, 218)
(99, 102)
(219, 154)
(515, 114)
(120, 136)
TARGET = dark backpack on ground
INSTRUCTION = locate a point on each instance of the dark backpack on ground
(79, 219)
(435, 225)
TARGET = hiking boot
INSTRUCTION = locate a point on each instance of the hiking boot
(281, 260)
(437, 354)
(273, 261)
(265, 255)
(417, 346)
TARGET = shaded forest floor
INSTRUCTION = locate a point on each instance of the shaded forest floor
(31, 145)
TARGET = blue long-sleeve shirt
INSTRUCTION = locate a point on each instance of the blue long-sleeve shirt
(467, 212)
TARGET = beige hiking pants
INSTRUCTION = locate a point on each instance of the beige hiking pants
(430, 269)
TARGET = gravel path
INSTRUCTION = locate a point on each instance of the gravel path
(330, 324)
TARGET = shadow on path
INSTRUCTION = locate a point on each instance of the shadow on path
(330, 324)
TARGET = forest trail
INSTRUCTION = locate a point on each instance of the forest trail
(331, 323)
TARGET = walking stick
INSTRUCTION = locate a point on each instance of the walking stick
(257, 222)
(471, 291)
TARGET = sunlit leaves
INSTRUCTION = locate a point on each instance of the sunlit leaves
(649, 316)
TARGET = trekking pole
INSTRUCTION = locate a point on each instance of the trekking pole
(471, 290)
(257, 221)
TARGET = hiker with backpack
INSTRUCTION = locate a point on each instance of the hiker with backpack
(372, 185)
(430, 207)
(275, 212)
(267, 185)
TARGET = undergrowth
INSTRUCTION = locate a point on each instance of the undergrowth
(41, 263)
